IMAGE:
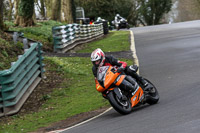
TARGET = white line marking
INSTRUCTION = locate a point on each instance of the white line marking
(136, 62)
(59, 131)
(133, 49)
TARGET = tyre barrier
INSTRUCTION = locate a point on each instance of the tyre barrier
(105, 26)
(18, 82)
(68, 36)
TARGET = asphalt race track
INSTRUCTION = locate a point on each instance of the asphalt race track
(169, 56)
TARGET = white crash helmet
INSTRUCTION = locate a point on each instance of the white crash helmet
(99, 18)
(96, 55)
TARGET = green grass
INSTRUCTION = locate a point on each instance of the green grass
(41, 32)
(76, 94)
(115, 41)
(41, 28)
(8, 53)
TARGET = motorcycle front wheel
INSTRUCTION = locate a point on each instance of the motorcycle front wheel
(128, 27)
(121, 106)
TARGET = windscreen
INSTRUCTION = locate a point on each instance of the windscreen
(101, 72)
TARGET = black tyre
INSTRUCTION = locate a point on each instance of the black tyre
(128, 27)
(121, 106)
(106, 31)
(152, 96)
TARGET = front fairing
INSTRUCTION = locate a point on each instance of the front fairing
(106, 77)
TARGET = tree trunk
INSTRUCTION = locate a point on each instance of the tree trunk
(25, 13)
(1, 15)
(67, 11)
(11, 4)
(41, 8)
(48, 5)
(16, 3)
(188, 10)
(56, 15)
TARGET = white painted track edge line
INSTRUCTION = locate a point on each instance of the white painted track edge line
(133, 49)
(62, 130)
(136, 62)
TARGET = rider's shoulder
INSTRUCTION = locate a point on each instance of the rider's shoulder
(109, 57)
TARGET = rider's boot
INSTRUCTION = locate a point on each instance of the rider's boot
(132, 71)
(146, 85)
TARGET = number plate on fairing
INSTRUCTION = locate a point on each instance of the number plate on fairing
(137, 96)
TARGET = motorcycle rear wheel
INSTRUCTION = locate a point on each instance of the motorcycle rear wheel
(121, 106)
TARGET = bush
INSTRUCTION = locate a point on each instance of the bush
(9, 52)
(41, 32)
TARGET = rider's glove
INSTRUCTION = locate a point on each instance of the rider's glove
(120, 69)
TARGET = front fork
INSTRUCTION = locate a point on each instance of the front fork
(117, 91)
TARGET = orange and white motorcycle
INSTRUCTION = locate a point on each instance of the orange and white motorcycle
(113, 86)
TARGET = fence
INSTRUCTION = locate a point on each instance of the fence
(68, 36)
(17, 83)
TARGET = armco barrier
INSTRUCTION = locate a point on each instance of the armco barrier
(68, 36)
(17, 83)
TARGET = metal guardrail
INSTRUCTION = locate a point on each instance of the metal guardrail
(17, 83)
(68, 36)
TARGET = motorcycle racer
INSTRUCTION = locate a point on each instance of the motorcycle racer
(99, 59)
(120, 22)
(117, 18)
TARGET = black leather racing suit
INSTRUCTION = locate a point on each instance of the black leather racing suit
(111, 61)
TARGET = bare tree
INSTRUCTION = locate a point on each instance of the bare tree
(10, 13)
(40, 4)
(56, 10)
(133, 16)
(62, 11)
(107, 9)
(152, 11)
(25, 13)
(1, 15)
(16, 3)
(67, 11)
(49, 6)
(188, 10)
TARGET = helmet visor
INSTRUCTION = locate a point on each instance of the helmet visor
(96, 63)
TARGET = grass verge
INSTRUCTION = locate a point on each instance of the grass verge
(41, 32)
(76, 93)
(115, 41)
(9, 52)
